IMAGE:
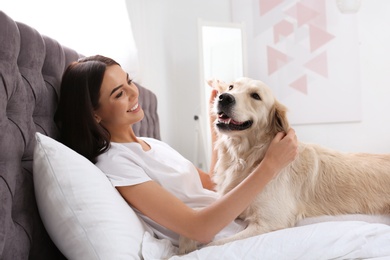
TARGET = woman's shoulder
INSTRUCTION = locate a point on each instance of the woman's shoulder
(154, 142)
(134, 149)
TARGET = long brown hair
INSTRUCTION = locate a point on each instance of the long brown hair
(79, 97)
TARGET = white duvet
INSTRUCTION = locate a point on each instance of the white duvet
(325, 240)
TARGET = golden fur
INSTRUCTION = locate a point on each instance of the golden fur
(318, 182)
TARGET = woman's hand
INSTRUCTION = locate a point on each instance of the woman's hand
(282, 151)
(212, 115)
(213, 118)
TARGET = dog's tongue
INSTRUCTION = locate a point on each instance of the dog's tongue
(223, 118)
(226, 120)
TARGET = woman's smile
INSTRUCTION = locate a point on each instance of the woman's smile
(135, 108)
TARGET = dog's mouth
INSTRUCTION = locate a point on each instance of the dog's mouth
(227, 123)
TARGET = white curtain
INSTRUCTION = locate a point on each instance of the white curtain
(151, 33)
(147, 20)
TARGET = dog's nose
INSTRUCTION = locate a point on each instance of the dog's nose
(226, 99)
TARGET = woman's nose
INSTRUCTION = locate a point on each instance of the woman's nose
(133, 90)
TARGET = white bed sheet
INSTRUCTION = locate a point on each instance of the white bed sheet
(325, 240)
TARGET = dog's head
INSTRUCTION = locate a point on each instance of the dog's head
(248, 105)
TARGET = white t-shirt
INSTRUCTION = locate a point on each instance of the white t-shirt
(127, 164)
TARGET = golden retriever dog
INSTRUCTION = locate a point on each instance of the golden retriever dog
(318, 182)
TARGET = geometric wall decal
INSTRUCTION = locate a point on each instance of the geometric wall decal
(297, 47)
(319, 64)
(283, 28)
(276, 59)
(300, 84)
(302, 13)
(320, 7)
(305, 14)
(267, 5)
(318, 37)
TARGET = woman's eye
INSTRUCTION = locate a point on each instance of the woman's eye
(255, 96)
(119, 94)
(129, 81)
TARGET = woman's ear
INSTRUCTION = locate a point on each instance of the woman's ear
(97, 118)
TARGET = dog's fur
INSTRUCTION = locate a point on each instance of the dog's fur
(318, 182)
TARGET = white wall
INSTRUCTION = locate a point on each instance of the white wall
(372, 134)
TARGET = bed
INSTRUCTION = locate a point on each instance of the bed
(55, 204)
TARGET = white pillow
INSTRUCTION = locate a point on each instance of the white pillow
(83, 213)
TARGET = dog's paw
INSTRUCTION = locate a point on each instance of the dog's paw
(217, 84)
(187, 245)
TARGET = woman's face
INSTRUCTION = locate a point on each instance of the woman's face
(118, 102)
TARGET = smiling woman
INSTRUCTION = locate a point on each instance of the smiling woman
(154, 179)
(97, 84)
(118, 106)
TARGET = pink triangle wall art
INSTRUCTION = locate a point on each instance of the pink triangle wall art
(308, 53)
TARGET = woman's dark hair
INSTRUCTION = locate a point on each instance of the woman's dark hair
(79, 98)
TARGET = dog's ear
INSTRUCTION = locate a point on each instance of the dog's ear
(218, 85)
(278, 118)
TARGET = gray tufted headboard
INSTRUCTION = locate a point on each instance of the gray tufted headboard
(31, 66)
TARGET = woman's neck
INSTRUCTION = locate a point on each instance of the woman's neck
(126, 136)
(129, 137)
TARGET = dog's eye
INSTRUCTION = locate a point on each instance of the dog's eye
(255, 96)
(230, 87)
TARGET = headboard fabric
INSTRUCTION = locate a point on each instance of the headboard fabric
(31, 67)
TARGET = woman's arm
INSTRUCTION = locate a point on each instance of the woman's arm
(202, 225)
(206, 179)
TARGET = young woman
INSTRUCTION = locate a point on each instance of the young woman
(98, 106)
